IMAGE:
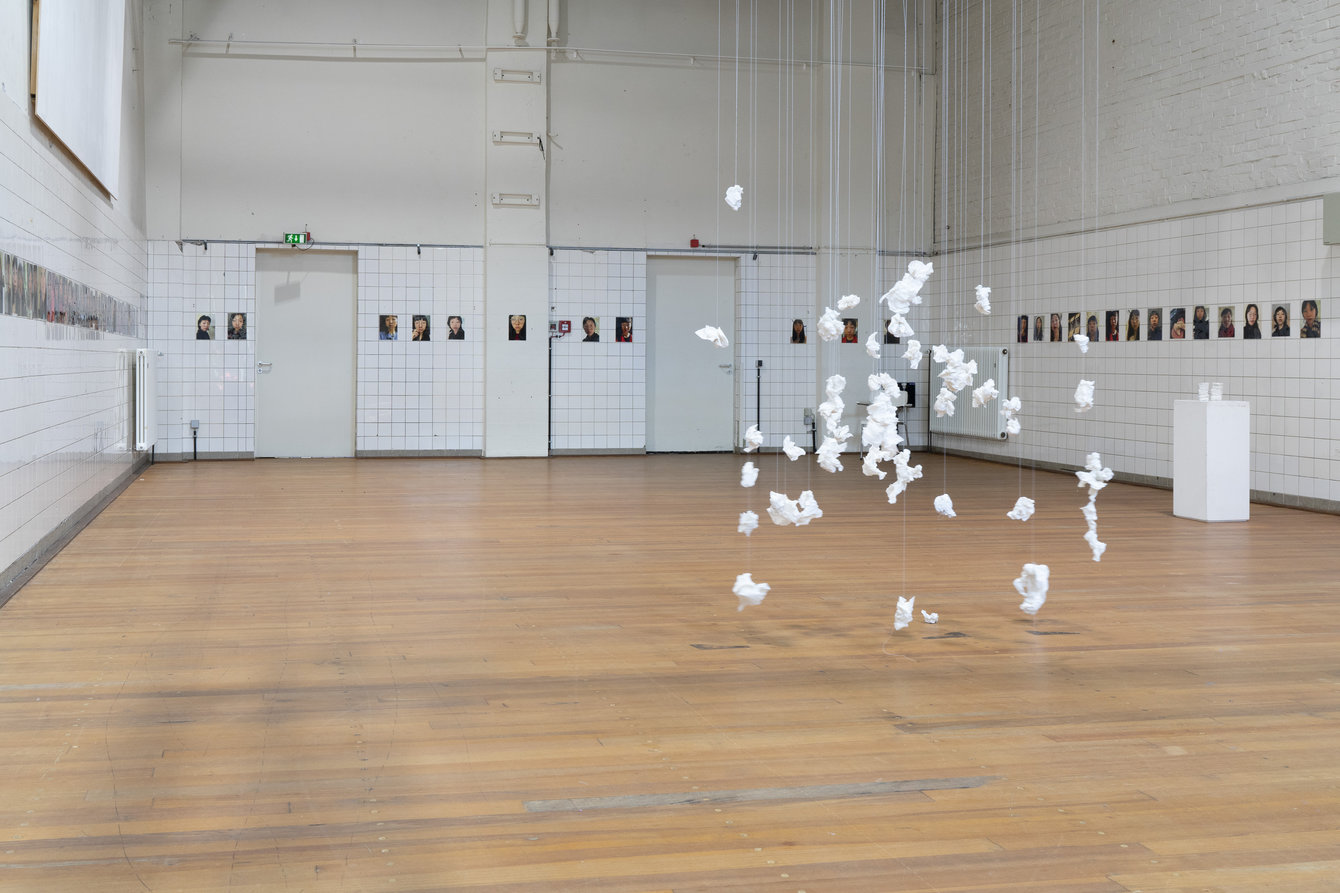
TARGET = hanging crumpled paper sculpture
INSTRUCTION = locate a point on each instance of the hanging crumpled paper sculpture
(944, 403)
(872, 345)
(913, 354)
(748, 523)
(899, 327)
(1010, 410)
(881, 424)
(1023, 509)
(1095, 477)
(846, 302)
(985, 394)
(792, 451)
(783, 510)
(929, 617)
(735, 197)
(831, 409)
(870, 464)
(1084, 396)
(748, 474)
(1083, 342)
(749, 592)
(906, 291)
(906, 475)
(983, 304)
(1032, 585)
(809, 508)
(944, 505)
(713, 334)
(830, 327)
(829, 454)
(753, 439)
(902, 615)
(956, 374)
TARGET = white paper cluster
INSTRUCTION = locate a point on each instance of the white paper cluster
(872, 345)
(753, 439)
(881, 418)
(748, 523)
(1083, 342)
(955, 376)
(944, 505)
(899, 327)
(1032, 585)
(906, 475)
(735, 197)
(1023, 509)
(800, 511)
(749, 592)
(792, 451)
(913, 354)
(846, 302)
(1095, 477)
(830, 327)
(929, 617)
(1010, 410)
(748, 474)
(713, 334)
(1084, 396)
(985, 394)
(902, 615)
(907, 290)
(829, 455)
(983, 304)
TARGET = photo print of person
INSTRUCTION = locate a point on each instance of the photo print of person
(1155, 324)
(889, 337)
(1133, 325)
(1039, 328)
(455, 329)
(623, 329)
(1279, 321)
(1021, 335)
(10, 282)
(204, 327)
(849, 331)
(516, 327)
(1251, 322)
(1177, 324)
(797, 331)
(590, 328)
(1091, 325)
(420, 331)
(1112, 326)
(1311, 314)
(237, 326)
(388, 327)
(1074, 321)
(1055, 327)
(1200, 322)
(1227, 329)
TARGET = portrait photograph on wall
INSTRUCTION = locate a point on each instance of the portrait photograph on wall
(1074, 322)
(849, 335)
(889, 337)
(1227, 322)
(420, 331)
(1055, 327)
(1200, 322)
(1155, 324)
(388, 327)
(1251, 321)
(1112, 325)
(1091, 330)
(455, 328)
(1133, 325)
(1021, 333)
(516, 327)
(1311, 313)
(1279, 321)
(590, 328)
(1039, 328)
(1177, 324)
(797, 331)
(237, 326)
(204, 327)
(623, 329)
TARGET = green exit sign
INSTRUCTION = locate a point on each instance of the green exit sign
(295, 238)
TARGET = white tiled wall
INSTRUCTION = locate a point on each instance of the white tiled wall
(773, 291)
(599, 390)
(412, 397)
(1265, 255)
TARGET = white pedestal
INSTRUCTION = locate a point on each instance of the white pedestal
(1212, 460)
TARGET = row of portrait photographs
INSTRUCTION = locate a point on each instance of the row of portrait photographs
(623, 329)
(388, 328)
(206, 328)
(1201, 323)
(850, 332)
(31, 291)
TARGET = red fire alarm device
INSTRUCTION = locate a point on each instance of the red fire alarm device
(694, 243)
(564, 326)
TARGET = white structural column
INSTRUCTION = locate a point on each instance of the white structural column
(516, 254)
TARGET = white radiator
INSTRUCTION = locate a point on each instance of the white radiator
(967, 421)
(146, 399)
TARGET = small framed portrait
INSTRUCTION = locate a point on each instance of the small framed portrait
(1091, 329)
(237, 326)
(9, 284)
(1055, 327)
(420, 331)
(388, 327)
(889, 337)
(1251, 322)
(1112, 325)
(1279, 321)
(1177, 324)
(1133, 325)
(516, 327)
(623, 329)
(1200, 322)
(1228, 322)
(1155, 325)
(1073, 321)
(1039, 328)
(204, 327)
(1310, 311)
(849, 335)
(797, 331)
(455, 328)
(1021, 330)
(590, 328)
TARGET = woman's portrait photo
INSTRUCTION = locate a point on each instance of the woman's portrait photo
(455, 332)
(237, 326)
(1251, 322)
(590, 328)
(1022, 335)
(1200, 323)
(1279, 321)
(1091, 325)
(1133, 326)
(1039, 328)
(797, 331)
(1073, 321)
(1226, 327)
(1177, 324)
(1155, 324)
(849, 331)
(204, 328)
(1311, 313)
(516, 327)
(623, 329)
(420, 330)
(889, 337)
(388, 327)
(1112, 328)
(1056, 327)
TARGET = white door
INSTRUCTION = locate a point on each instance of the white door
(690, 382)
(305, 353)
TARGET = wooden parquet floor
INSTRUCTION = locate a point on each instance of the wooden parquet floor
(530, 675)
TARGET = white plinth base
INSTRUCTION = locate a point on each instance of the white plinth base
(1212, 460)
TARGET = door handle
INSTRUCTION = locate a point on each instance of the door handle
(725, 365)
(263, 367)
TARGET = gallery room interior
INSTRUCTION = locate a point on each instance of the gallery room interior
(542, 445)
